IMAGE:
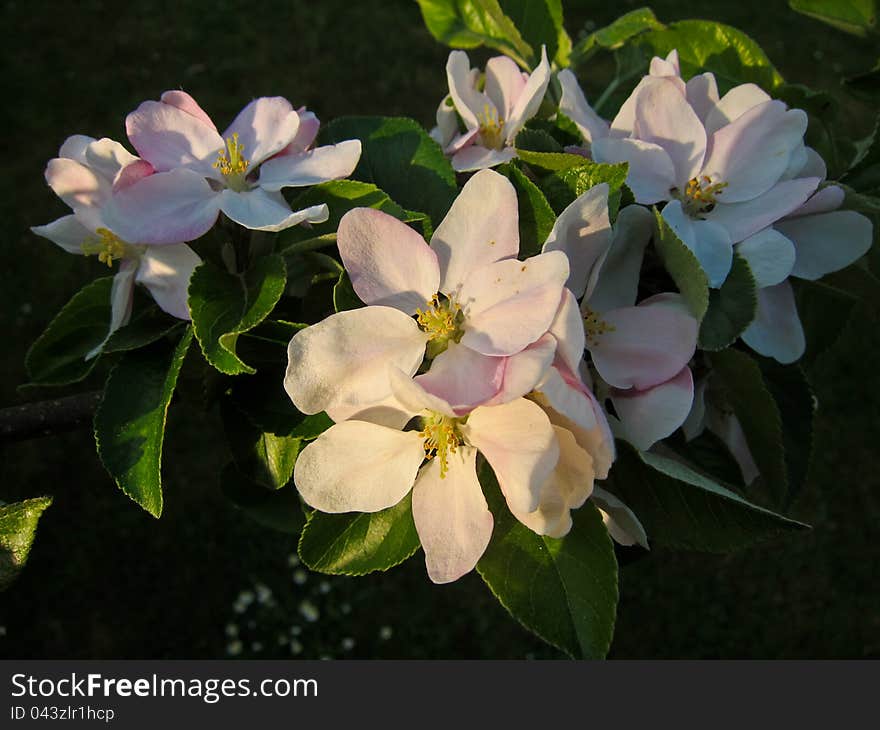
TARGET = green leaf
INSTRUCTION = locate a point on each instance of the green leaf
(149, 325)
(340, 196)
(731, 308)
(18, 527)
(538, 140)
(536, 217)
(344, 296)
(224, 305)
(617, 34)
(57, 357)
(564, 590)
(683, 267)
(563, 186)
(130, 420)
(278, 509)
(555, 161)
(749, 398)
(399, 157)
(473, 23)
(540, 22)
(709, 454)
(357, 543)
(704, 45)
(858, 17)
(682, 509)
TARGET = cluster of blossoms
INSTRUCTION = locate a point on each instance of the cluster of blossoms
(142, 210)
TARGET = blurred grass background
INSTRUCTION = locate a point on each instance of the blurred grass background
(106, 580)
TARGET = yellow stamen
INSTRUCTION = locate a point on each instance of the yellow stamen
(108, 246)
(442, 435)
(594, 326)
(232, 164)
(700, 195)
(441, 321)
(491, 128)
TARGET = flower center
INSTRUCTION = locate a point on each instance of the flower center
(108, 246)
(442, 435)
(442, 322)
(594, 326)
(700, 195)
(232, 164)
(491, 128)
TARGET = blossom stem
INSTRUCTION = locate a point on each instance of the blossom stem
(45, 418)
(310, 244)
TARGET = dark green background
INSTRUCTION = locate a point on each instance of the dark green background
(107, 580)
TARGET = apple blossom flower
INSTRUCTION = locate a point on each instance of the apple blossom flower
(814, 240)
(464, 302)
(492, 116)
(85, 175)
(199, 172)
(364, 466)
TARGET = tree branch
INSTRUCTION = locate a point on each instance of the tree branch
(48, 417)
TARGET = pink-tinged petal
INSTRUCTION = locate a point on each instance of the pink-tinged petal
(702, 94)
(121, 299)
(814, 166)
(464, 378)
(733, 105)
(620, 521)
(742, 220)
(414, 397)
(321, 164)
(132, 173)
(623, 123)
(168, 138)
(447, 123)
(619, 281)
(668, 66)
(306, 133)
(520, 445)
(664, 117)
(510, 304)
(751, 153)
(66, 232)
(345, 359)
(822, 201)
(481, 227)
(451, 516)
(475, 157)
(264, 127)
(727, 427)
(770, 256)
(575, 106)
(186, 103)
(567, 488)
(459, 142)
(107, 158)
(567, 328)
(469, 103)
(529, 100)
(165, 272)
(504, 84)
(74, 147)
(388, 262)
(827, 242)
(77, 185)
(710, 242)
(355, 466)
(168, 207)
(695, 423)
(388, 412)
(646, 416)
(260, 210)
(521, 373)
(777, 331)
(651, 174)
(583, 233)
(643, 346)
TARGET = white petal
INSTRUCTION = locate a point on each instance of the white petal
(776, 331)
(451, 516)
(464, 378)
(710, 242)
(521, 373)
(356, 466)
(567, 329)
(574, 105)
(265, 126)
(165, 271)
(530, 99)
(646, 416)
(519, 443)
(770, 256)
(827, 242)
(651, 173)
(259, 210)
(481, 227)
(469, 103)
(310, 167)
(345, 359)
(67, 232)
(622, 524)
(108, 157)
(695, 423)
(727, 427)
(121, 298)
(475, 157)
(733, 105)
(702, 95)
(618, 284)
